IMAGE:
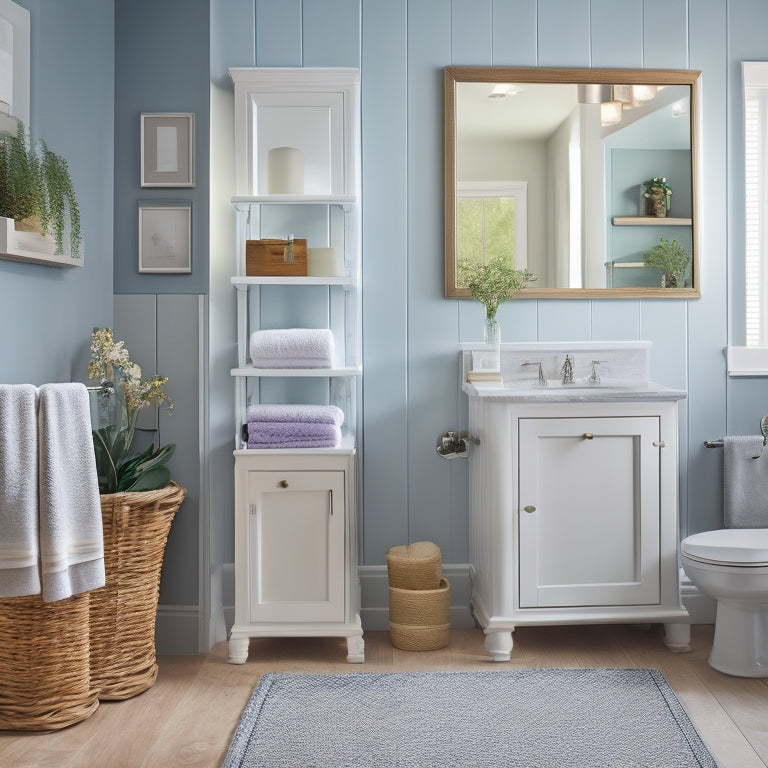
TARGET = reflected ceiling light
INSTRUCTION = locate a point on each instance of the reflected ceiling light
(610, 112)
(679, 108)
(622, 93)
(643, 93)
(501, 90)
(593, 93)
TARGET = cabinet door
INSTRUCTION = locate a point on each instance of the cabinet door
(589, 511)
(296, 546)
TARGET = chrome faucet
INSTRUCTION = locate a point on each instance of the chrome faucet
(567, 370)
(540, 381)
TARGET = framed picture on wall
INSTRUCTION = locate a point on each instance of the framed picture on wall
(167, 149)
(165, 237)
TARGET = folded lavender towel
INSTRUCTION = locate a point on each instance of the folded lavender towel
(287, 434)
(292, 348)
(320, 414)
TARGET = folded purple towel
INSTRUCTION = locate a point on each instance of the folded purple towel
(320, 414)
(287, 434)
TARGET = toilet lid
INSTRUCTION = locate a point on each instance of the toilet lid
(738, 546)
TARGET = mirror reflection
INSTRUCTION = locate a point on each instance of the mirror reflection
(584, 177)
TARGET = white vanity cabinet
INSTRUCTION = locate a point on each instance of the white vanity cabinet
(574, 507)
(295, 508)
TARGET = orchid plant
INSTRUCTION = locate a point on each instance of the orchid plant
(117, 468)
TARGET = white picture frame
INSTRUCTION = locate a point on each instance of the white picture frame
(167, 149)
(165, 237)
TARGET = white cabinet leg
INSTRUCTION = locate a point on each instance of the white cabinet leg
(499, 644)
(677, 637)
(238, 650)
(355, 649)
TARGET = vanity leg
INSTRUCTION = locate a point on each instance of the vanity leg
(355, 649)
(238, 650)
(499, 644)
(677, 637)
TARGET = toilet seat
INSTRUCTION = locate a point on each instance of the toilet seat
(744, 547)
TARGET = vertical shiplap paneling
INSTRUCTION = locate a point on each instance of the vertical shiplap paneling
(331, 33)
(514, 33)
(384, 106)
(278, 33)
(708, 317)
(665, 34)
(563, 33)
(233, 38)
(178, 354)
(471, 33)
(432, 326)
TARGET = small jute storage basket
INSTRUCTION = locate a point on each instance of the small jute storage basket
(44, 663)
(123, 612)
(414, 566)
(419, 619)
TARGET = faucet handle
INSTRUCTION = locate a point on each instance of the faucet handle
(541, 381)
(594, 378)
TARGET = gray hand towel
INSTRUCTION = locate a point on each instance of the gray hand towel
(745, 482)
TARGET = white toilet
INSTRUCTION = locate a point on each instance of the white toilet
(731, 566)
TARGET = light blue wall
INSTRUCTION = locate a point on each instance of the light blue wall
(47, 313)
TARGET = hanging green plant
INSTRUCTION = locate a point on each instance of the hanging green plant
(36, 182)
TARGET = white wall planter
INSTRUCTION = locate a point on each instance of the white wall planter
(31, 246)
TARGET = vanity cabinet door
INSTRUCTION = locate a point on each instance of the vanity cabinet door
(589, 511)
(295, 546)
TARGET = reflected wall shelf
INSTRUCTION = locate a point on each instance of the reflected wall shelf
(651, 221)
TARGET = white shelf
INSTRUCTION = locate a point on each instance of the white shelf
(246, 200)
(651, 221)
(346, 282)
(297, 373)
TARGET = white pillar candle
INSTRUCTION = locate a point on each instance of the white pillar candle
(285, 171)
(323, 262)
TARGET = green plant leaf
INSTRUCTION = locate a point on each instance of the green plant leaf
(155, 478)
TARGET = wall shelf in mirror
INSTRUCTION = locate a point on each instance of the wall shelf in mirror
(546, 131)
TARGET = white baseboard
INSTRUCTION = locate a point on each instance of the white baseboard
(177, 630)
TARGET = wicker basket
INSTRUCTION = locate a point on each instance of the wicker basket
(122, 616)
(419, 619)
(44, 663)
(414, 566)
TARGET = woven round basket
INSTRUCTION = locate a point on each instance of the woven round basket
(414, 566)
(44, 663)
(123, 612)
(419, 638)
(420, 607)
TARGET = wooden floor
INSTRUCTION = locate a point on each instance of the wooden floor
(189, 716)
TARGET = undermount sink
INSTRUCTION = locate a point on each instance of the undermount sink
(557, 384)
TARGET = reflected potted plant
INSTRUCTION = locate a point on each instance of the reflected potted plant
(658, 196)
(36, 190)
(671, 258)
(138, 504)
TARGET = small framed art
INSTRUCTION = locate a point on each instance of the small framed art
(167, 149)
(165, 237)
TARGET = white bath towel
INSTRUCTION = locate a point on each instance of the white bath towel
(301, 413)
(71, 538)
(292, 348)
(19, 538)
(745, 482)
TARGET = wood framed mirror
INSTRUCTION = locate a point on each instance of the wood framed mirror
(552, 169)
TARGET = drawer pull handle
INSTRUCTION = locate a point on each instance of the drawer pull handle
(589, 436)
(283, 484)
(530, 508)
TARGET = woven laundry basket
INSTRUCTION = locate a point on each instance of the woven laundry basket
(44, 663)
(419, 619)
(122, 615)
(414, 566)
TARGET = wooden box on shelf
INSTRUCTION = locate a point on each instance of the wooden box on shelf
(271, 258)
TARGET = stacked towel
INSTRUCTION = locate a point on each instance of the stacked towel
(294, 426)
(292, 348)
(19, 537)
(71, 536)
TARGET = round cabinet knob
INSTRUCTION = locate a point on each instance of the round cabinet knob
(588, 436)
(530, 508)
(283, 484)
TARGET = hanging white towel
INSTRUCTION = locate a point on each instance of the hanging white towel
(71, 538)
(19, 539)
(745, 482)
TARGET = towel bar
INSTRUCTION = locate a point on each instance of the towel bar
(713, 443)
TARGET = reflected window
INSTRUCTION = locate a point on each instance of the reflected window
(756, 200)
(491, 221)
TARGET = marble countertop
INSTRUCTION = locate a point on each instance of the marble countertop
(607, 391)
